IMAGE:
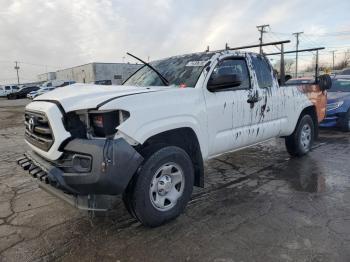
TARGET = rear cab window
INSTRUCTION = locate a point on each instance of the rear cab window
(263, 72)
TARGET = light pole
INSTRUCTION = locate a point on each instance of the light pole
(261, 29)
(17, 68)
(296, 53)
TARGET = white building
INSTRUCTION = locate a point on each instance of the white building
(115, 72)
(47, 76)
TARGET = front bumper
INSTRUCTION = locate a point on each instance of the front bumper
(113, 163)
(334, 119)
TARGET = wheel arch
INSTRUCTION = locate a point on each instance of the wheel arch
(186, 139)
(311, 111)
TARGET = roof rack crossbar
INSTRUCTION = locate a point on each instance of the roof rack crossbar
(258, 45)
(295, 51)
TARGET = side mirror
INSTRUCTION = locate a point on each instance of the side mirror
(224, 81)
(325, 82)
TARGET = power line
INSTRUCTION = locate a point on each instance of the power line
(318, 35)
(312, 42)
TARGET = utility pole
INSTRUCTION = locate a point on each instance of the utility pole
(333, 56)
(261, 29)
(17, 68)
(296, 53)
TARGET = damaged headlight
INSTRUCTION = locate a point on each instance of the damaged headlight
(104, 123)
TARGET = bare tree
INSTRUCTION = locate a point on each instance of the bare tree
(344, 62)
(288, 63)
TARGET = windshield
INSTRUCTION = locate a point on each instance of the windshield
(182, 71)
(340, 85)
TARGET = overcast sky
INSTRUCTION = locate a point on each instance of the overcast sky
(65, 33)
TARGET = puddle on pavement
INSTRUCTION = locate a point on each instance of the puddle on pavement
(304, 174)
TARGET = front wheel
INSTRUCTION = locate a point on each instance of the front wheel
(300, 142)
(162, 187)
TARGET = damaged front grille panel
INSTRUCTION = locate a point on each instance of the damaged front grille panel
(75, 124)
(38, 131)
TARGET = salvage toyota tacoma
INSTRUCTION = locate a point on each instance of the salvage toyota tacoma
(149, 138)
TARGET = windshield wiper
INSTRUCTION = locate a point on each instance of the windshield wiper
(164, 80)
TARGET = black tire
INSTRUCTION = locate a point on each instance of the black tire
(127, 194)
(294, 143)
(137, 197)
(345, 123)
(127, 198)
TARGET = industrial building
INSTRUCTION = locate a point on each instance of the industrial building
(47, 76)
(92, 72)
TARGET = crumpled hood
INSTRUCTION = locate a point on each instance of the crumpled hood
(84, 96)
(333, 97)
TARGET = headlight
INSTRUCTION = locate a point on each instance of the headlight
(333, 106)
(104, 123)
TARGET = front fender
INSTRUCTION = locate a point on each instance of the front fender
(148, 129)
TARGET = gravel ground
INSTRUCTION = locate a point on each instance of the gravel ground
(257, 205)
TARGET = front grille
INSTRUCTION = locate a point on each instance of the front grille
(37, 130)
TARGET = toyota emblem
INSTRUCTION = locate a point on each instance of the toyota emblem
(31, 124)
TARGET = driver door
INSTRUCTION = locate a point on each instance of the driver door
(227, 109)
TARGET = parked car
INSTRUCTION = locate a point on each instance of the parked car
(31, 93)
(8, 89)
(22, 93)
(41, 91)
(49, 86)
(300, 81)
(338, 105)
(149, 138)
(64, 83)
(103, 82)
(345, 71)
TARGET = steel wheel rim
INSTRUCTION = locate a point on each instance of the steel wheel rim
(305, 136)
(167, 186)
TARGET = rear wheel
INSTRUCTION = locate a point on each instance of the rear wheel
(162, 187)
(300, 142)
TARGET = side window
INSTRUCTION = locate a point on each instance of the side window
(262, 71)
(7, 88)
(233, 66)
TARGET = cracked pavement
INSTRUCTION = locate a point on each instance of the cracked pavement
(257, 205)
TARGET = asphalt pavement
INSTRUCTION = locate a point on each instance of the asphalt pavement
(258, 204)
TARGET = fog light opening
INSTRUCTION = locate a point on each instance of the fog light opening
(81, 163)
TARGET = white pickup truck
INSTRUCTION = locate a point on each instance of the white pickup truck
(148, 139)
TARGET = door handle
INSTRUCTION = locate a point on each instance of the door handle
(253, 99)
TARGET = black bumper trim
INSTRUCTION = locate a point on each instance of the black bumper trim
(113, 165)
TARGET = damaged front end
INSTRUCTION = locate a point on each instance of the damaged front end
(88, 168)
(95, 162)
